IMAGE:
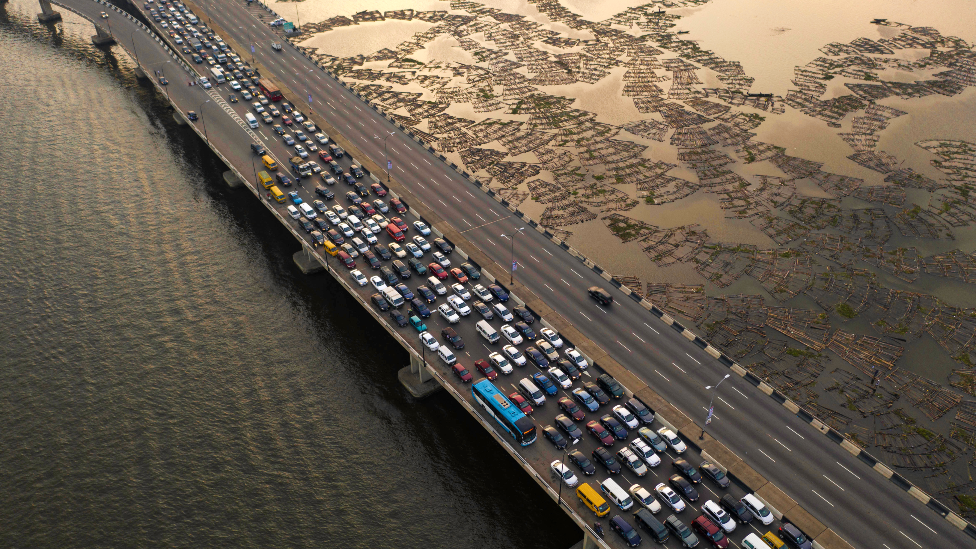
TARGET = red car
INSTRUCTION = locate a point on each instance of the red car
(286, 120)
(571, 408)
(398, 206)
(462, 373)
(459, 275)
(435, 268)
(378, 189)
(346, 260)
(521, 403)
(599, 432)
(399, 223)
(326, 157)
(708, 530)
(486, 369)
(397, 235)
(366, 208)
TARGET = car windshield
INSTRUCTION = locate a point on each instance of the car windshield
(516, 354)
(763, 512)
(718, 474)
(463, 372)
(717, 536)
(674, 498)
(627, 416)
(631, 534)
(586, 398)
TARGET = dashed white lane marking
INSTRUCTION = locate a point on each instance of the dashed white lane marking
(425, 160)
(652, 329)
(783, 445)
(577, 274)
(566, 283)
(533, 258)
(714, 415)
(547, 251)
(925, 525)
(624, 346)
(662, 375)
(481, 218)
(547, 286)
(586, 317)
(726, 403)
(679, 367)
(442, 202)
(414, 166)
(693, 358)
(834, 483)
(830, 504)
(466, 221)
(639, 337)
(849, 471)
(795, 433)
(492, 243)
(767, 455)
(900, 532)
(740, 392)
(456, 198)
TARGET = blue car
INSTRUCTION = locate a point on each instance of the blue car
(498, 292)
(544, 383)
(295, 198)
(405, 291)
(420, 308)
(589, 402)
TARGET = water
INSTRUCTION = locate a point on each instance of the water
(169, 377)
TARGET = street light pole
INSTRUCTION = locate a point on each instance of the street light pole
(512, 238)
(134, 50)
(708, 418)
(562, 463)
(386, 153)
(204, 119)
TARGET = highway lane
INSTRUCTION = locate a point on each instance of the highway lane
(836, 487)
(679, 379)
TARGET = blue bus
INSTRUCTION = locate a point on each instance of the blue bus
(505, 413)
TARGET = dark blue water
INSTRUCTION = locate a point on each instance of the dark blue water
(169, 378)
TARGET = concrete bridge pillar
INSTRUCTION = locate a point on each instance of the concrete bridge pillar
(103, 37)
(417, 379)
(306, 262)
(140, 74)
(179, 119)
(47, 15)
(233, 181)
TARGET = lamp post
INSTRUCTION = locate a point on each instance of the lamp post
(308, 94)
(386, 152)
(562, 463)
(512, 238)
(134, 50)
(710, 402)
(200, 108)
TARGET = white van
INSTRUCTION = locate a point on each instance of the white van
(218, 75)
(531, 392)
(307, 210)
(616, 494)
(251, 121)
(446, 355)
(359, 245)
(436, 285)
(355, 223)
(393, 296)
(753, 541)
(486, 331)
(293, 212)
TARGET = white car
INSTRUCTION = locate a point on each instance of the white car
(625, 417)
(235, 85)
(378, 283)
(397, 250)
(205, 83)
(258, 108)
(372, 225)
(631, 461)
(300, 151)
(436, 286)
(514, 355)
(459, 305)
(380, 220)
(560, 378)
(429, 341)
(669, 497)
(644, 498)
(672, 440)
(422, 243)
(346, 230)
(322, 138)
(308, 125)
(483, 293)
(422, 228)
(332, 217)
(300, 135)
(313, 164)
(414, 250)
(369, 236)
(500, 363)
(297, 116)
(293, 212)
(511, 334)
(448, 313)
(340, 211)
(246, 95)
(758, 509)
(645, 452)
(503, 312)
(461, 291)
(380, 206)
(552, 337)
(563, 471)
(359, 277)
(718, 516)
(442, 259)
(576, 358)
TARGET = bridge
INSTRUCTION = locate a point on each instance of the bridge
(803, 470)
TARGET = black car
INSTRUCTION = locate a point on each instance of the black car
(606, 459)
(681, 531)
(616, 429)
(524, 314)
(716, 475)
(283, 179)
(525, 330)
(420, 308)
(641, 411)
(356, 171)
(596, 393)
(498, 292)
(361, 189)
(683, 487)
(794, 537)
(382, 251)
(443, 246)
(317, 237)
(687, 470)
(335, 167)
(335, 237)
(579, 460)
(348, 178)
(398, 317)
(483, 310)
(324, 192)
(389, 276)
(470, 270)
(602, 296)
(569, 369)
(321, 223)
(287, 107)
(610, 385)
(736, 509)
(370, 258)
(192, 115)
(401, 269)
(569, 427)
(258, 149)
(380, 302)
(417, 265)
(537, 357)
(553, 436)
(306, 224)
(450, 335)
(336, 150)
(351, 196)
(426, 294)
(626, 532)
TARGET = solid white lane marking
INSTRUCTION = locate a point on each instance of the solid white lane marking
(624, 346)
(783, 445)
(795, 433)
(925, 525)
(679, 367)
(849, 471)
(726, 403)
(834, 483)
(693, 358)
(767, 455)
(586, 317)
(639, 337)
(828, 503)
(652, 329)
(533, 258)
(904, 534)
(577, 274)
(740, 392)
(662, 375)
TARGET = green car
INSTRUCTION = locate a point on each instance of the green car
(416, 322)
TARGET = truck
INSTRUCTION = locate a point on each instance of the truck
(300, 167)
(196, 45)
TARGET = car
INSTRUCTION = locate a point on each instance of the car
(370, 258)
(511, 334)
(626, 532)
(397, 316)
(380, 206)
(354, 198)
(442, 260)
(571, 408)
(461, 373)
(601, 296)
(500, 363)
(105, 16)
(552, 337)
(459, 275)
(412, 248)
(273, 111)
(631, 461)
(524, 329)
(246, 95)
(581, 462)
(653, 439)
(443, 245)
(708, 530)
(461, 291)
(297, 116)
(669, 498)
(378, 283)
(522, 312)
(503, 312)
(389, 276)
(360, 189)
(324, 156)
(235, 85)
(368, 236)
(485, 368)
(382, 251)
(332, 217)
(366, 208)
(398, 250)
(514, 355)
(672, 440)
(606, 459)
(322, 138)
(398, 236)
(399, 224)
(459, 306)
(404, 291)
(567, 367)
(421, 243)
(718, 516)
(569, 427)
(681, 532)
(372, 225)
(359, 277)
(398, 205)
(736, 509)
(714, 474)
(192, 115)
(559, 378)
(614, 426)
(585, 399)
(610, 385)
(600, 433)
(794, 537)
(643, 414)
(306, 225)
(683, 487)
(293, 196)
(258, 107)
(321, 224)
(576, 358)
(470, 270)
(283, 179)
(421, 227)
(497, 291)
(287, 107)
(375, 187)
(436, 285)
(426, 294)
(687, 470)
(164, 82)
(758, 510)
(536, 357)
(479, 290)
(335, 237)
(644, 498)
(278, 129)
(381, 220)
(380, 302)
(448, 313)
(520, 402)
(320, 206)
(429, 341)
(346, 230)
(645, 452)
(596, 393)
(555, 437)
(416, 322)
(625, 417)
(288, 140)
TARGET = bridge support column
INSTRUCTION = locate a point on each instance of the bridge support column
(307, 263)
(47, 14)
(233, 182)
(140, 74)
(103, 37)
(417, 379)
(588, 542)
(179, 119)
